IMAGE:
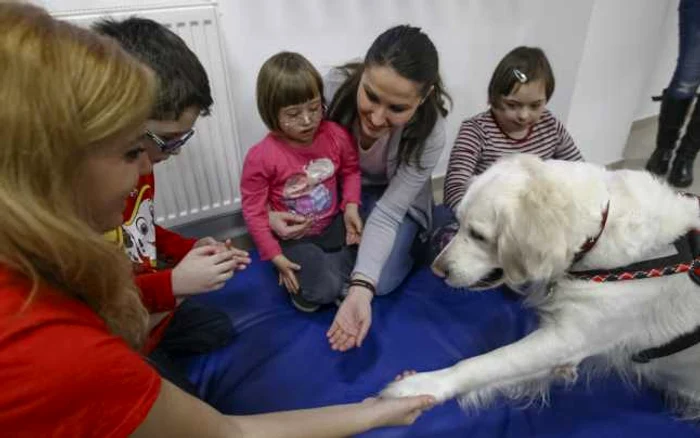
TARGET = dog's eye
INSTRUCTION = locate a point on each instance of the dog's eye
(476, 236)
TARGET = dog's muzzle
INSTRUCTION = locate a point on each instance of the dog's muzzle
(493, 279)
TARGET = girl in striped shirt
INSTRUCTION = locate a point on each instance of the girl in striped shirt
(516, 122)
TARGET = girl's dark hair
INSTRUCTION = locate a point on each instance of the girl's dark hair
(286, 78)
(411, 54)
(520, 66)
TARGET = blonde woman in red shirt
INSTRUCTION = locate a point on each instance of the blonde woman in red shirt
(71, 320)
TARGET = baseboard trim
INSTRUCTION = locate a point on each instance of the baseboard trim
(644, 122)
(230, 226)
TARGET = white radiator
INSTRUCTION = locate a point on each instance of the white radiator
(202, 182)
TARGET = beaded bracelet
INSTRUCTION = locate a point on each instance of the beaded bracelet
(364, 283)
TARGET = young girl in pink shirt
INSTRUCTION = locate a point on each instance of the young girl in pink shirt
(307, 166)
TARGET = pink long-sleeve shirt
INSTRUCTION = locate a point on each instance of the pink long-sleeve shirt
(307, 180)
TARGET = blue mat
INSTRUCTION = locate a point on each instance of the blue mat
(280, 359)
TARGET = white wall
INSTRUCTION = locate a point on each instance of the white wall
(607, 55)
(619, 57)
(471, 36)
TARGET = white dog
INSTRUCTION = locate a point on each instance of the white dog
(535, 223)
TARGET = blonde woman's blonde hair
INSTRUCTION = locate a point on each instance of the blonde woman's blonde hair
(65, 91)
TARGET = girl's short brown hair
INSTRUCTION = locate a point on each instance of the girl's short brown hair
(520, 66)
(286, 78)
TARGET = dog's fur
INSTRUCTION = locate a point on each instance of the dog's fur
(529, 218)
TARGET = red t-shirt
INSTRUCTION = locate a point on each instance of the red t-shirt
(63, 374)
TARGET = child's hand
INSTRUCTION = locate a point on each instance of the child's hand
(399, 411)
(287, 276)
(241, 257)
(204, 241)
(202, 270)
(403, 413)
(353, 225)
(288, 225)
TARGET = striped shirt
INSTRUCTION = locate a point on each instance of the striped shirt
(481, 142)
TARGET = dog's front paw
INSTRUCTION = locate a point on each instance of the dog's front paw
(432, 383)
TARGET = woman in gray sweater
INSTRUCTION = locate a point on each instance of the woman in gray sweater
(394, 104)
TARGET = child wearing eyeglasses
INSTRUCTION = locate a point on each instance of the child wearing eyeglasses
(308, 166)
(169, 267)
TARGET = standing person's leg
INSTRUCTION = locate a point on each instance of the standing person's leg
(688, 72)
(680, 92)
(686, 76)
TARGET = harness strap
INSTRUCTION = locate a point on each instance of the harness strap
(687, 260)
(682, 261)
(674, 346)
(590, 242)
(686, 340)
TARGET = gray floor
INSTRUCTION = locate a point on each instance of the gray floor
(640, 144)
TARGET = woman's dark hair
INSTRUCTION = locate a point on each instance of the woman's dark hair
(411, 54)
(520, 66)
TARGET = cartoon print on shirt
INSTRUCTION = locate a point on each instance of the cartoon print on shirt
(139, 235)
(305, 194)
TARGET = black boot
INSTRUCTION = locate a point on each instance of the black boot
(671, 118)
(682, 172)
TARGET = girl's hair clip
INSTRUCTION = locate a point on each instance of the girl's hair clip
(520, 76)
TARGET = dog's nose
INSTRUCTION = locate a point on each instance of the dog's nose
(438, 269)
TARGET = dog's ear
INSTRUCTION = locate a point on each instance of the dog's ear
(532, 241)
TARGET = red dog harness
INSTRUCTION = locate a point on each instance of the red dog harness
(687, 260)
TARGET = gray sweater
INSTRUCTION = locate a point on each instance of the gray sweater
(409, 192)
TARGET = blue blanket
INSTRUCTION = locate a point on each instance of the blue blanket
(280, 359)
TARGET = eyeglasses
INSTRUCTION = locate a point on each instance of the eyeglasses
(301, 116)
(173, 145)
